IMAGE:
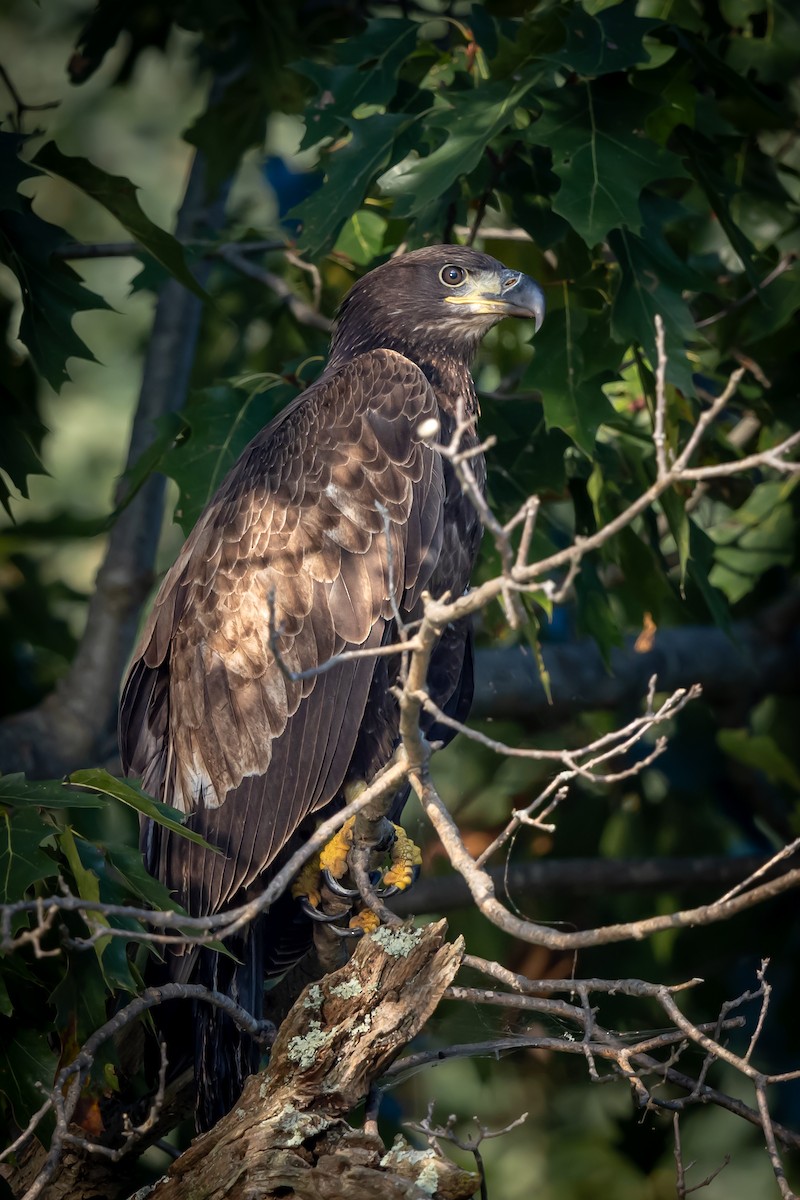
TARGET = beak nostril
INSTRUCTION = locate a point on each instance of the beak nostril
(512, 282)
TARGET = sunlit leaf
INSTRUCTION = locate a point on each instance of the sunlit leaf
(758, 535)
(101, 781)
(362, 237)
(762, 752)
(469, 120)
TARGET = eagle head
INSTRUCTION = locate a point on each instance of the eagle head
(435, 302)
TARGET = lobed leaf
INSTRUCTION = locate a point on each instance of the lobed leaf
(118, 196)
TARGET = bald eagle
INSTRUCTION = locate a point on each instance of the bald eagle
(338, 499)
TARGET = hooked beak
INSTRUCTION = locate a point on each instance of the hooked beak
(511, 294)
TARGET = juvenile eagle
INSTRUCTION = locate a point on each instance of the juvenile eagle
(208, 721)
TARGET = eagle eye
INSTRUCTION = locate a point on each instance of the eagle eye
(452, 276)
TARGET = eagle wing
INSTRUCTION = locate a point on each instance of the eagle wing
(331, 507)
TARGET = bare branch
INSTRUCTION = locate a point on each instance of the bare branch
(63, 1098)
(659, 437)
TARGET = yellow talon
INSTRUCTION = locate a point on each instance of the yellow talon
(366, 920)
(405, 856)
(308, 881)
(334, 856)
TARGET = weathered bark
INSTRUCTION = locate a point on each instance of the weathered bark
(288, 1136)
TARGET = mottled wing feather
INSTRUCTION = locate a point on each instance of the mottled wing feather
(208, 719)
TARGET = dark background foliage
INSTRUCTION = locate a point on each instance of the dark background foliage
(634, 158)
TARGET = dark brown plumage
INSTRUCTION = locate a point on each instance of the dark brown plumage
(208, 721)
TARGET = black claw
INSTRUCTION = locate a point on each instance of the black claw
(316, 914)
(347, 932)
(338, 889)
(393, 889)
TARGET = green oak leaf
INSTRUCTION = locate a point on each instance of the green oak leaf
(361, 239)
(762, 752)
(603, 164)
(123, 790)
(648, 272)
(758, 535)
(469, 120)
(599, 43)
(23, 860)
(349, 170)
(118, 196)
(595, 614)
(570, 381)
(699, 565)
(18, 791)
(674, 506)
(25, 1061)
(80, 999)
(52, 293)
(126, 863)
(364, 73)
(708, 162)
(229, 126)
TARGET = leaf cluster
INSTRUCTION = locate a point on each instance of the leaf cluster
(76, 837)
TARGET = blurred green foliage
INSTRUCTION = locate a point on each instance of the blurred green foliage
(637, 159)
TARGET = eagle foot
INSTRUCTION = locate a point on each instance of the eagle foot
(406, 859)
(307, 884)
(333, 857)
(322, 876)
(364, 922)
(307, 888)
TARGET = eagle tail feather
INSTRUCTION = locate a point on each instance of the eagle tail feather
(224, 1054)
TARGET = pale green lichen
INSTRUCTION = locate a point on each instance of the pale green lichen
(303, 1049)
(347, 990)
(427, 1177)
(398, 943)
(241, 1114)
(362, 1026)
(314, 997)
(297, 1126)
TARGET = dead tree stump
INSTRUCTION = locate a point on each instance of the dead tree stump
(288, 1136)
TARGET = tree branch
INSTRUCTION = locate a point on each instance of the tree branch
(760, 656)
(579, 877)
